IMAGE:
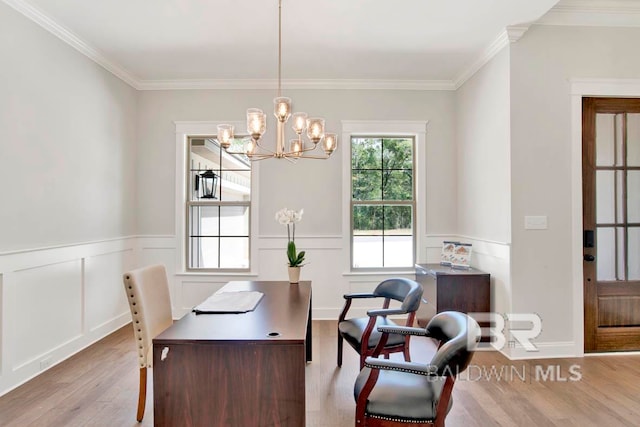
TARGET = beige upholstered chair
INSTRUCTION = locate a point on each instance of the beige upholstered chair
(147, 290)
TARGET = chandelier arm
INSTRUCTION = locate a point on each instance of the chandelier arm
(304, 156)
(263, 148)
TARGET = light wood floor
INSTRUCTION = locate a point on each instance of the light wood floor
(99, 386)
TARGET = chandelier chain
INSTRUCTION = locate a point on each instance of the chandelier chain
(279, 47)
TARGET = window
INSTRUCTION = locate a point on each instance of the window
(217, 206)
(382, 201)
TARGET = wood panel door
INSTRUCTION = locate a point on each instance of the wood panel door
(611, 221)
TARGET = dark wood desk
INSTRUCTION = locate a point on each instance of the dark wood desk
(226, 369)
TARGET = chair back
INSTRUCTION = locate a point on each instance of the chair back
(459, 335)
(147, 290)
(407, 291)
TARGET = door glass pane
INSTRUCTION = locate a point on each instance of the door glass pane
(605, 195)
(634, 248)
(605, 142)
(633, 196)
(234, 252)
(619, 195)
(606, 253)
(234, 220)
(633, 139)
(621, 255)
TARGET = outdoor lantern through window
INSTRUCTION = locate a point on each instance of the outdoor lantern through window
(209, 181)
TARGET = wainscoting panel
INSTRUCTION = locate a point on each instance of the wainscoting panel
(105, 299)
(56, 301)
(47, 301)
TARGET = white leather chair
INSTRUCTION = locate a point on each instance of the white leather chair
(147, 290)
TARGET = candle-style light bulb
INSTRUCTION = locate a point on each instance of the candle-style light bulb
(225, 135)
(299, 122)
(330, 143)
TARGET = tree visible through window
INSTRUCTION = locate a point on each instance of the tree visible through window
(382, 202)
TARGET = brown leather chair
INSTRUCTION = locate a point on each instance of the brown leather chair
(391, 394)
(147, 290)
(362, 334)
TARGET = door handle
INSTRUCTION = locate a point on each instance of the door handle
(589, 258)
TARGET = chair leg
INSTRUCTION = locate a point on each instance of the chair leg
(142, 396)
(340, 342)
(407, 353)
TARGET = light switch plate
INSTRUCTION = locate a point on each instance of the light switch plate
(535, 222)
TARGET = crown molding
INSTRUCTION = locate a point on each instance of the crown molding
(510, 34)
(269, 84)
(596, 13)
(37, 16)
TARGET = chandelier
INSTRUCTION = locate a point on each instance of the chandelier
(257, 125)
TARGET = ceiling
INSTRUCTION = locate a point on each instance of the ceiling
(236, 40)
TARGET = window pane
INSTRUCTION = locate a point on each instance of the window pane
(367, 251)
(398, 251)
(235, 186)
(204, 221)
(397, 153)
(398, 220)
(398, 185)
(367, 185)
(204, 252)
(234, 221)
(366, 153)
(234, 252)
(367, 220)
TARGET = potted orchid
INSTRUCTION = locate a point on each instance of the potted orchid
(289, 217)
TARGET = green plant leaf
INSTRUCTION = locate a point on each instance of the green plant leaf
(295, 259)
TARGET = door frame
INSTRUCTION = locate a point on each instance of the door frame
(579, 88)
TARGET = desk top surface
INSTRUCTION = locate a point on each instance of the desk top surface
(438, 269)
(284, 309)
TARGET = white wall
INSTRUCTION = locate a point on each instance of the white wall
(67, 137)
(312, 185)
(67, 156)
(483, 163)
(542, 63)
(483, 171)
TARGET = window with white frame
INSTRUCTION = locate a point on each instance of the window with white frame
(217, 207)
(383, 207)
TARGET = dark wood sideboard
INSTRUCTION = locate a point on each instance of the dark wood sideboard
(445, 288)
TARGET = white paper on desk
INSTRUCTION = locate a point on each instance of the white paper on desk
(230, 302)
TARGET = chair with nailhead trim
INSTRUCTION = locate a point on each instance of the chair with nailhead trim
(361, 333)
(147, 290)
(395, 393)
